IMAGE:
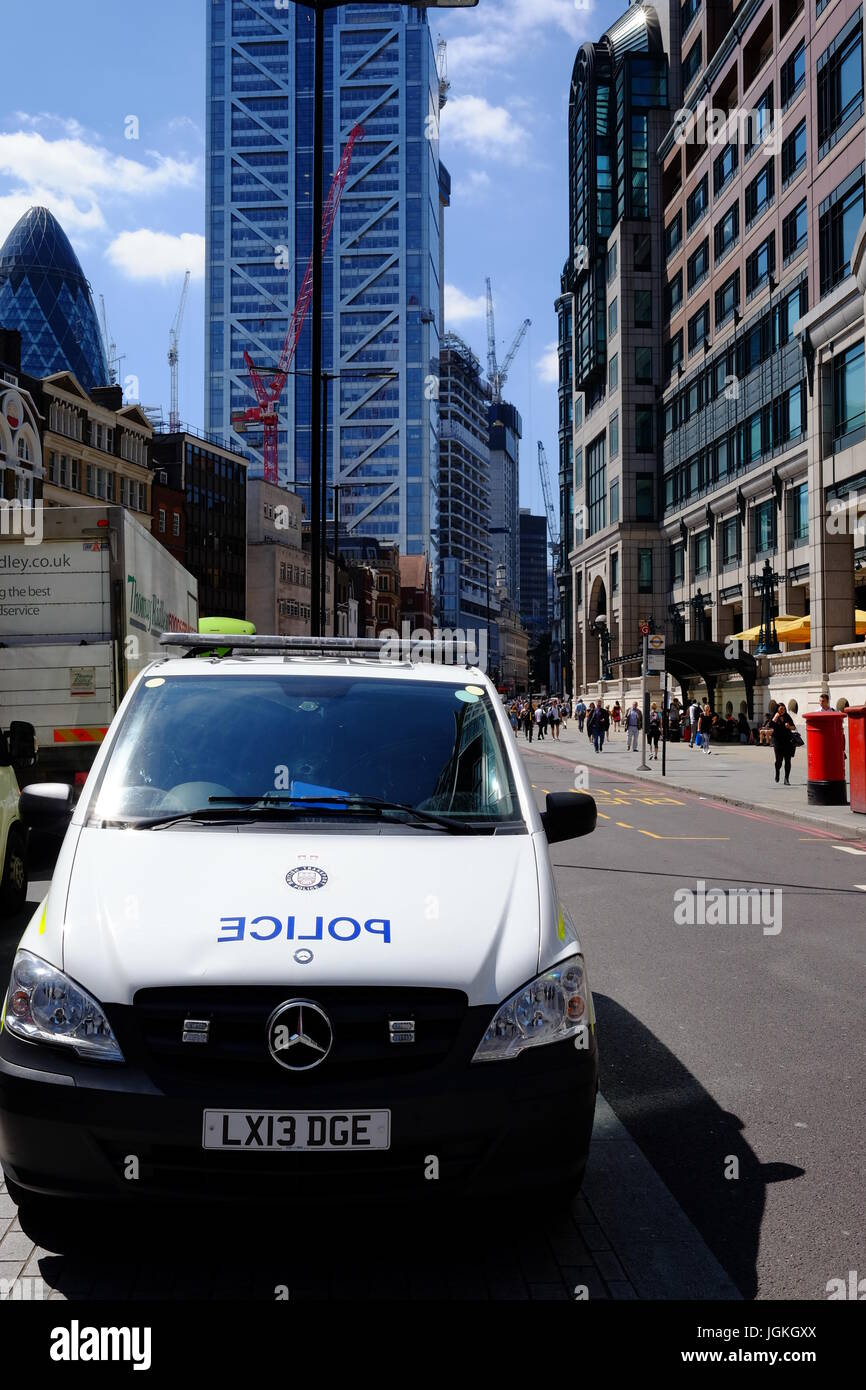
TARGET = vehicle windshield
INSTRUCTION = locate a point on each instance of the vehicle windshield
(186, 740)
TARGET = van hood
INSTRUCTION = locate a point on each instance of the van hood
(223, 906)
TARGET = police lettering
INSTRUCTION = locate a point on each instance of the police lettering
(270, 928)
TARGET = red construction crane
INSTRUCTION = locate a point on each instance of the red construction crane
(268, 394)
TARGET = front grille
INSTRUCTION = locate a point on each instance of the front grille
(151, 1031)
(172, 1170)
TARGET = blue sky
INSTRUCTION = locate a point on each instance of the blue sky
(134, 207)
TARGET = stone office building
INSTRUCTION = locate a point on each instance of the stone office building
(740, 420)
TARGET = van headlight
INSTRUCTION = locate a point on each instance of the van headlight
(44, 1005)
(553, 1007)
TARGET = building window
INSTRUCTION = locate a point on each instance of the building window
(839, 218)
(644, 570)
(725, 166)
(613, 373)
(795, 231)
(727, 298)
(611, 319)
(794, 153)
(643, 365)
(760, 192)
(692, 63)
(596, 485)
(613, 435)
(644, 497)
(760, 123)
(614, 502)
(689, 11)
(698, 266)
(611, 263)
(644, 442)
(643, 259)
(701, 554)
(849, 397)
(696, 203)
(699, 328)
(578, 467)
(765, 527)
(673, 235)
(579, 587)
(674, 353)
(678, 564)
(162, 520)
(750, 439)
(673, 294)
(793, 74)
(727, 231)
(840, 84)
(760, 264)
(730, 538)
(643, 308)
(175, 523)
(614, 571)
(798, 513)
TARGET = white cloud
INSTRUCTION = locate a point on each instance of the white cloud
(511, 28)
(471, 186)
(462, 308)
(487, 130)
(148, 255)
(547, 366)
(76, 177)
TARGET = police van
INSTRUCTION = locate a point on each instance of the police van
(303, 938)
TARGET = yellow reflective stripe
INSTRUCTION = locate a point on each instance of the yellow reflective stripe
(42, 919)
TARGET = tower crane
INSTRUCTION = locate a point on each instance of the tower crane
(442, 70)
(552, 524)
(173, 355)
(264, 412)
(497, 375)
(110, 347)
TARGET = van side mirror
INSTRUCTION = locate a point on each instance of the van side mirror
(568, 816)
(22, 744)
(46, 806)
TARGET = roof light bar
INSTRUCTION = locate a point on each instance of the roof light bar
(386, 647)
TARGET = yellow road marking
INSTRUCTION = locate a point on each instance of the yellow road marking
(682, 837)
(625, 825)
(602, 816)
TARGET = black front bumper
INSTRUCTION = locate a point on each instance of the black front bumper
(72, 1128)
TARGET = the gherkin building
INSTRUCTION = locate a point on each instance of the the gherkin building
(44, 294)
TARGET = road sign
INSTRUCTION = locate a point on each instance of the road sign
(655, 644)
(644, 629)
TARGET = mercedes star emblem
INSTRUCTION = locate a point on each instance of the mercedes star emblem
(300, 1035)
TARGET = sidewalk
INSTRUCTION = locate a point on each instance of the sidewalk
(737, 773)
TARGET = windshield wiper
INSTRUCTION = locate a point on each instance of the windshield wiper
(336, 804)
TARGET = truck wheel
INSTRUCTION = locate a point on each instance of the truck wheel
(13, 885)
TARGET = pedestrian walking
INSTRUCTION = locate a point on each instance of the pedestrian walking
(541, 721)
(589, 714)
(654, 730)
(616, 716)
(694, 716)
(580, 711)
(600, 722)
(553, 719)
(633, 726)
(528, 721)
(784, 742)
(705, 726)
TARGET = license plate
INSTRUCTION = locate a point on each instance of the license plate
(276, 1131)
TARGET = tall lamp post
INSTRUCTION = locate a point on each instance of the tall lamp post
(319, 7)
(768, 640)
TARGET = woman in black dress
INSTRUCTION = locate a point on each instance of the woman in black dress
(783, 741)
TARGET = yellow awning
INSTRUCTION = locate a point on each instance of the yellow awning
(791, 629)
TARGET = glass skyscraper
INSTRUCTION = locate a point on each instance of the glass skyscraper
(381, 275)
(44, 294)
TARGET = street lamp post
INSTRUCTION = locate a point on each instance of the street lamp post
(319, 7)
(768, 640)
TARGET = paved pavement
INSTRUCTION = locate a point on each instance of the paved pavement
(741, 774)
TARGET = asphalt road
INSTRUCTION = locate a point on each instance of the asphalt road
(728, 1039)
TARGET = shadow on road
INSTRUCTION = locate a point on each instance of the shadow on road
(689, 1139)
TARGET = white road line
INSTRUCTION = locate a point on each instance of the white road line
(849, 849)
(861, 886)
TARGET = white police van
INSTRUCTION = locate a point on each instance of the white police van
(302, 938)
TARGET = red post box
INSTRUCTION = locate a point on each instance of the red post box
(857, 757)
(825, 752)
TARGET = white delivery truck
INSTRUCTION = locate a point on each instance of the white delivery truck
(80, 615)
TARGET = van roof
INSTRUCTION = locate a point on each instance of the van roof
(372, 667)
